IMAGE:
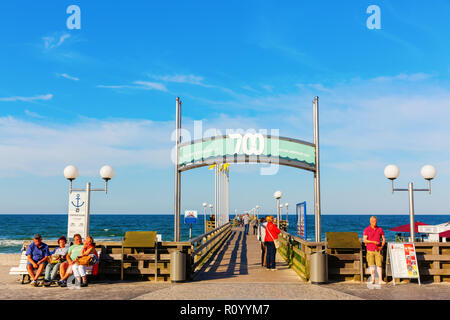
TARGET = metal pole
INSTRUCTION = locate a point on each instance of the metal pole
(204, 213)
(411, 212)
(177, 172)
(317, 211)
(88, 208)
(278, 213)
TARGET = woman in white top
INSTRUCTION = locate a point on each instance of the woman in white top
(260, 236)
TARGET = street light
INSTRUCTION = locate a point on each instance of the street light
(277, 195)
(204, 212)
(71, 173)
(287, 213)
(257, 211)
(211, 207)
(428, 172)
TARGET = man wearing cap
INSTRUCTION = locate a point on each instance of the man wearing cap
(37, 253)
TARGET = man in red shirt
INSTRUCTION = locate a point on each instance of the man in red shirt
(374, 239)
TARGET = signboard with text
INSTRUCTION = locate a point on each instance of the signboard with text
(190, 216)
(78, 220)
(237, 148)
(403, 260)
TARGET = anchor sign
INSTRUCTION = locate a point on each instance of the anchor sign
(78, 205)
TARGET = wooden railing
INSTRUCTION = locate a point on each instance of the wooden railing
(350, 264)
(205, 245)
(297, 253)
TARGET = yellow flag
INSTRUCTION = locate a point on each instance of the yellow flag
(211, 166)
(225, 166)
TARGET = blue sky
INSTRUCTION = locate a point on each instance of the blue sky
(105, 94)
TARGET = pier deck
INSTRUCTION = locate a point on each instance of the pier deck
(239, 260)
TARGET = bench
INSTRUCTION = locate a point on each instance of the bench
(22, 271)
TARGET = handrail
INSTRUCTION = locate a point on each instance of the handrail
(200, 237)
(203, 246)
(303, 241)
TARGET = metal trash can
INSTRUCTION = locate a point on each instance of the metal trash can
(177, 266)
(319, 267)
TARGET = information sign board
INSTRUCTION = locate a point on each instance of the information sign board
(403, 260)
(190, 216)
(78, 220)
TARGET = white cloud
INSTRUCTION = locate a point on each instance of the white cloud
(45, 149)
(52, 42)
(65, 75)
(44, 97)
(150, 85)
(142, 85)
(33, 114)
(404, 77)
(179, 78)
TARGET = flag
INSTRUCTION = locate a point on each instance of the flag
(211, 166)
(225, 166)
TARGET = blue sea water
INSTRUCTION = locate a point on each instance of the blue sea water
(15, 228)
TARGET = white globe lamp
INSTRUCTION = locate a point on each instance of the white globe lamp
(391, 172)
(71, 172)
(107, 172)
(428, 172)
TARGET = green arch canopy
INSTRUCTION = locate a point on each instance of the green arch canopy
(250, 148)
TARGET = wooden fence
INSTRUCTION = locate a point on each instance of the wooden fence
(349, 264)
(297, 253)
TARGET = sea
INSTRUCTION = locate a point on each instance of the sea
(15, 228)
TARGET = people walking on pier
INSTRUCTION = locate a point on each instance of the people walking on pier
(66, 268)
(246, 219)
(255, 225)
(57, 257)
(37, 253)
(269, 240)
(374, 239)
(261, 236)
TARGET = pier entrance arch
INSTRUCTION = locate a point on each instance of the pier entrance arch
(248, 148)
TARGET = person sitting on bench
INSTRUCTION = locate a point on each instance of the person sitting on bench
(37, 253)
(74, 251)
(57, 257)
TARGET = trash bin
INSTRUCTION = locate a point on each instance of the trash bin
(177, 266)
(319, 267)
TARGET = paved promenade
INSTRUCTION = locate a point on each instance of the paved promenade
(234, 273)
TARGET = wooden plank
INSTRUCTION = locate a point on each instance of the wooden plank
(299, 252)
(436, 264)
(343, 256)
(301, 274)
(435, 272)
(433, 257)
(343, 271)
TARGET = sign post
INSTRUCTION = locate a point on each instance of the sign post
(78, 220)
(190, 216)
(403, 261)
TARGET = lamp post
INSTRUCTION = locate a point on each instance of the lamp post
(428, 172)
(287, 213)
(277, 195)
(71, 173)
(204, 213)
(257, 211)
(211, 207)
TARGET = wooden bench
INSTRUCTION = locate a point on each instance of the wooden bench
(22, 271)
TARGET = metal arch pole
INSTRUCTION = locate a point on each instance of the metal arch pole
(88, 208)
(177, 204)
(317, 209)
(411, 212)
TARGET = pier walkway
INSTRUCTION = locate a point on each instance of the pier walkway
(239, 260)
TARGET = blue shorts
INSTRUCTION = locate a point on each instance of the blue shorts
(29, 264)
